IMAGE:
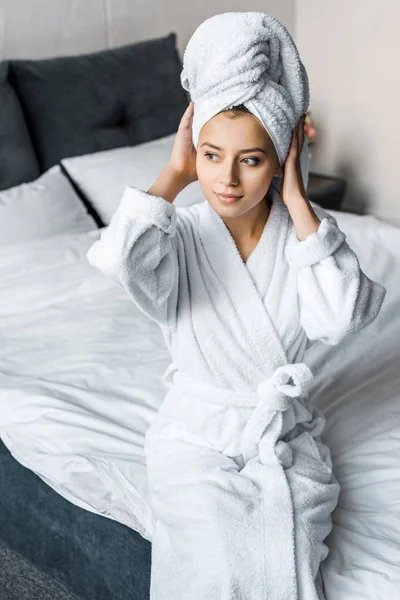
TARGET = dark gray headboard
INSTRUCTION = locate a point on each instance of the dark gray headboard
(18, 161)
(80, 104)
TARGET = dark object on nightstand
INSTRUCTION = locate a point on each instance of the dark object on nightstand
(326, 190)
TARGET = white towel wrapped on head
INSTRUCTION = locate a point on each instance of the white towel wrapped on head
(246, 58)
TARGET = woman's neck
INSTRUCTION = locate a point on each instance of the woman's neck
(249, 227)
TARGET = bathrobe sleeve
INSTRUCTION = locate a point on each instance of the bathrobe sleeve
(336, 298)
(138, 251)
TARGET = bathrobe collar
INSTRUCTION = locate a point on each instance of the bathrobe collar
(234, 275)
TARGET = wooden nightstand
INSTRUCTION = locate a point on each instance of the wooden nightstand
(326, 190)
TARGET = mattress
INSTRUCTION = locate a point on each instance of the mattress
(92, 557)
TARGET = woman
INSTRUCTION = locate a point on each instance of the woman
(241, 484)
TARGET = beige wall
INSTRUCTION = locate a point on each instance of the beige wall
(43, 28)
(351, 50)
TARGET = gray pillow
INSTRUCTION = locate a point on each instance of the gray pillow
(18, 163)
(120, 97)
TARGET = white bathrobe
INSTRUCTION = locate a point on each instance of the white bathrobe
(241, 484)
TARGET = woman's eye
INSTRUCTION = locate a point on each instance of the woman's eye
(208, 154)
(252, 158)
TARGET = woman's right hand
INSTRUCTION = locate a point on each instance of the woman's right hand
(183, 154)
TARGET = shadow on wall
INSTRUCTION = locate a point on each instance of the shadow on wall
(357, 197)
(358, 153)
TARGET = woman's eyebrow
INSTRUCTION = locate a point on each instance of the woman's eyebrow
(256, 149)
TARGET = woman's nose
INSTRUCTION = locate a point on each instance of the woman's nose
(229, 177)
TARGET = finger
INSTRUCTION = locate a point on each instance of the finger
(299, 132)
(295, 140)
(302, 132)
(291, 148)
(187, 118)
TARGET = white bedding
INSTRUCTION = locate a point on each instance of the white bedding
(42, 208)
(80, 379)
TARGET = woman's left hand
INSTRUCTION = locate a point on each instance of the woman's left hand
(292, 185)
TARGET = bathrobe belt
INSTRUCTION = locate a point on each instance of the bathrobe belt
(271, 399)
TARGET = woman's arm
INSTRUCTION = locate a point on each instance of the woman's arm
(169, 184)
(138, 250)
(139, 247)
(336, 298)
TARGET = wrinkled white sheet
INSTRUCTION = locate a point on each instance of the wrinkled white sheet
(80, 379)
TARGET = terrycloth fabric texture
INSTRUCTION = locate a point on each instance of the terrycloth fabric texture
(246, 58)
(241, 484)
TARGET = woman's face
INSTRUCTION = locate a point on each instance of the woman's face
(225, 165)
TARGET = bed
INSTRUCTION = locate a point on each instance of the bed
(79, 362)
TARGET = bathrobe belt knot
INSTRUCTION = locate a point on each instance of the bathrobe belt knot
(262, 430)
(260, 435)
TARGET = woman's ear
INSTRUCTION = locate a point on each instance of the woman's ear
(278, 171)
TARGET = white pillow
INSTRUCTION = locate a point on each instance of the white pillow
(102, 176)
(45, 207)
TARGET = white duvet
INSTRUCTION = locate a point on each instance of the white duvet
(80, 379)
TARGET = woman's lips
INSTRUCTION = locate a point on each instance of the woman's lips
(228, 199)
